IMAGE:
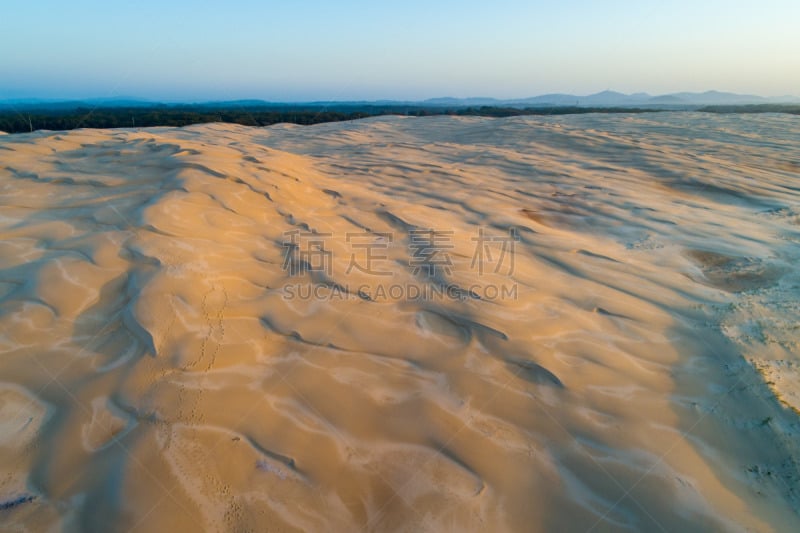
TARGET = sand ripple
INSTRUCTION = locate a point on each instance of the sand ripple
(630, 362)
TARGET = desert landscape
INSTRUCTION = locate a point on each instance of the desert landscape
(570, 323)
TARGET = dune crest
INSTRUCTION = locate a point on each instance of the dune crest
(583, 322)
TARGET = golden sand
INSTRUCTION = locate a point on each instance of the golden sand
(627, 362)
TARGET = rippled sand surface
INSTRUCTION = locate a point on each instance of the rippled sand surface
(606, 337)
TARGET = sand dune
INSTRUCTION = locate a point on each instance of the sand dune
(172, 357)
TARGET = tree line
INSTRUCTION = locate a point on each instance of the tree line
(31, 119)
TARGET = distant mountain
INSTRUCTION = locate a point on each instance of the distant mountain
(607, 98)
(665, 99)
(610, 98)
(119, 101)
(68, 105)
(448, 101)
(718, 98)
(551, 99)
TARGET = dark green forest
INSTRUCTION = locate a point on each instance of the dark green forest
(25, 120)
(13, 120)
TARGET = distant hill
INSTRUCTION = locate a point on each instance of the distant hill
(719, 98)
(448, 101)
(687, 99)
(607, 98)
(610, 98)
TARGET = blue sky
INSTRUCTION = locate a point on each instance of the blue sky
(353, 49)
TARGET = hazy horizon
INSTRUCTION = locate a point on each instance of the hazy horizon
(359, 51)
(190, 101)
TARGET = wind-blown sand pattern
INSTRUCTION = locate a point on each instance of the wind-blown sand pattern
(157, 376)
